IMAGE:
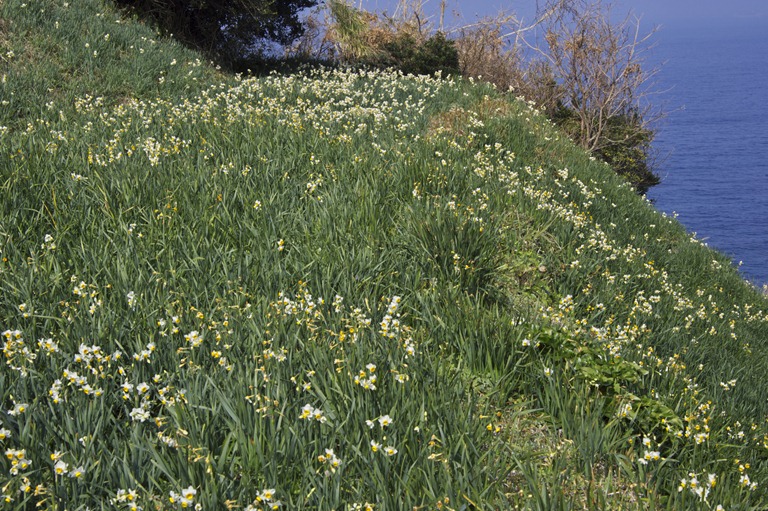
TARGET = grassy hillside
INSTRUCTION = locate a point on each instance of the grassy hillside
(343, 290)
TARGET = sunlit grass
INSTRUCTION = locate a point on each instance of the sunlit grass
(341, 289)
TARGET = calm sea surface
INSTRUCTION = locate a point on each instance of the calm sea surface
(714, 143)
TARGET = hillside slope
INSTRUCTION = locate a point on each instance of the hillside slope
(341, 289)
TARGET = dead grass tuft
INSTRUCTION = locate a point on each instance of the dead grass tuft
(456, 119)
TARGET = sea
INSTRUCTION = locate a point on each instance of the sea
(712, 146)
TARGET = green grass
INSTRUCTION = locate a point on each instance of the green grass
(206, 282)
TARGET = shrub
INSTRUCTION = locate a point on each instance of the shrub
(360, 37)
(626, 145)
(437, 53)
(419, 58)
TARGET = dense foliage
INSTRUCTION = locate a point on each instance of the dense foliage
(626, 145)
(228, 30)
(404, 53)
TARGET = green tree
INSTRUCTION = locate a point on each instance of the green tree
(227, 30)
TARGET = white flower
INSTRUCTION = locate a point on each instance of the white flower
(188, 494)
(139, 414)
(266, 495)
(317, 414)
(60, 468)
(306, 411)
(650, 456)
(18, 408)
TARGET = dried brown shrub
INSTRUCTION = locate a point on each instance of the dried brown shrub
(494, 50)
(483, 54)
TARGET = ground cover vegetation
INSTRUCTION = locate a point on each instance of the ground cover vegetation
(343, 289)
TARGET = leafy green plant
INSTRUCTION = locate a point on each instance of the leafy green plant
(428, 57)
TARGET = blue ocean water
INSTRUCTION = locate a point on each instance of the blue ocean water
(713, 145)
